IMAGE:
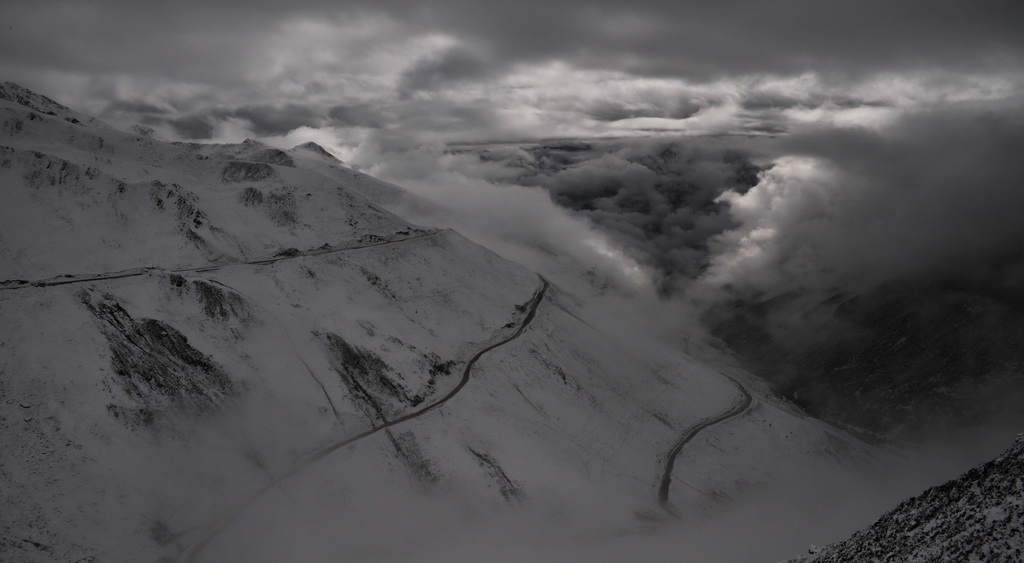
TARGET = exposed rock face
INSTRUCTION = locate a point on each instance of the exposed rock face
(37, 102)
(236, 172)
(978, 516)
(156, 364)
(371, 382)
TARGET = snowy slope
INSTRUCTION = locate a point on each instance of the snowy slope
(81, 197)
(192, 331)
(978, 516)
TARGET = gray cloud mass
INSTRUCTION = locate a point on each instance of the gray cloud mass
(794, 35)
(193, 127)
(886, 265)
(657, 197)
(451, 66)
(197, 54)
(270, 120)
(936, 194)
(356, 115)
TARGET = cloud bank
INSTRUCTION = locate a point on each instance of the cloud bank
(936, 195)
(876, 275)
(473, 72)
(883, 260)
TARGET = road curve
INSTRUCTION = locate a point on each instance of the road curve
(666, 477)
(226, 519)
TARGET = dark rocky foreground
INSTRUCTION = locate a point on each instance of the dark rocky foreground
(978, 516)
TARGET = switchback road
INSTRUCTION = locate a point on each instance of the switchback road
(228, 517)
(666, 476)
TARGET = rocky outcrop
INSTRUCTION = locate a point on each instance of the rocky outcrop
(978, 516)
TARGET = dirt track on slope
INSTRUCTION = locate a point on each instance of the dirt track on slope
(228, 517)
(666, 476)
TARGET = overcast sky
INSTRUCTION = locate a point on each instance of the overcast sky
(463, 70)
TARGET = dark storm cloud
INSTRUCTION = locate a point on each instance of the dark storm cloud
(934, 195)
(207, 41)
(685, 108)
(133, 107)
(179, 41)
(763, 101)
(267, 60)
(937, 194)
(280, 120)
(655, 197)
(357, 115)
(194, 127)
(764, 128)
(617, 111)
(452, 65)
(440, 116)
(848, 102)
(759, 101)
(262, 120)
(714, 38)
(884, 264)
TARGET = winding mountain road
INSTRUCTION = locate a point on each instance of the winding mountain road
(228, 517)
(666, 477)
(134, 272)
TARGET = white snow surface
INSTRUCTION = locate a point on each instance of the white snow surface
(166, 414)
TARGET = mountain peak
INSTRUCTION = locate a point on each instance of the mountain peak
(23, 96)
(315, 148)
(38, 103)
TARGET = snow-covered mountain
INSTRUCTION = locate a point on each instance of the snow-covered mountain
(230, 353)
(978, 516)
